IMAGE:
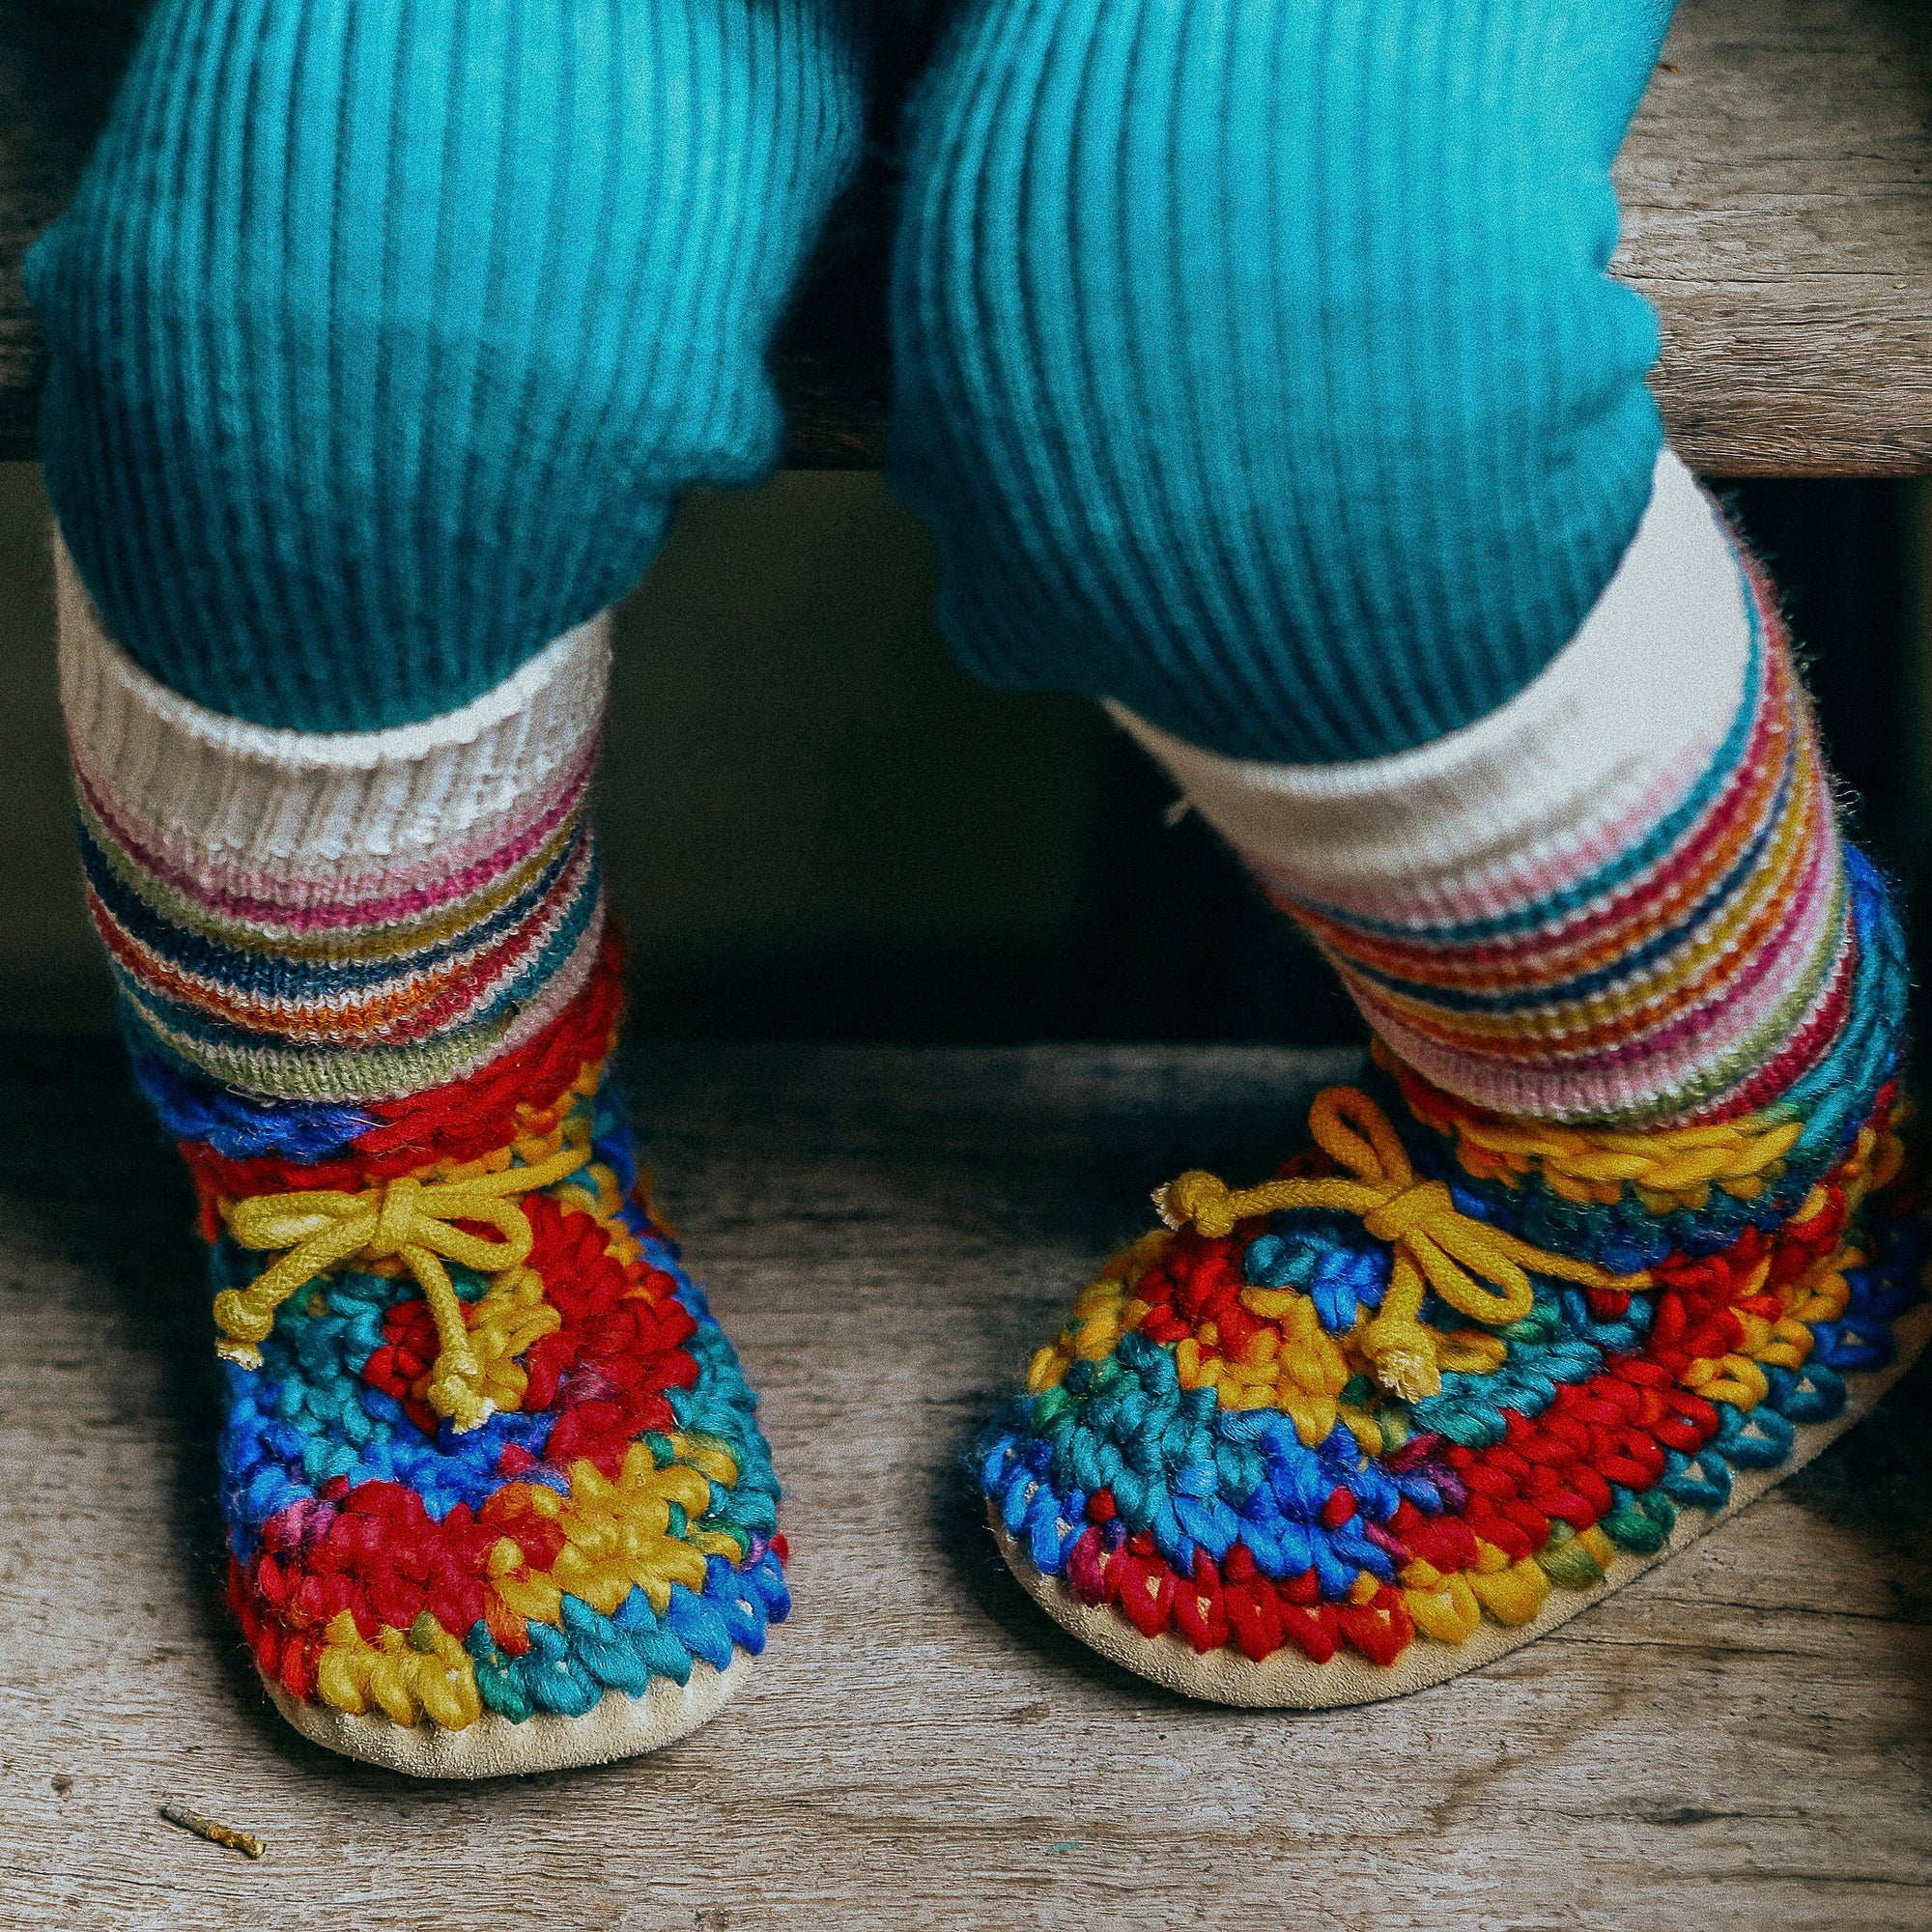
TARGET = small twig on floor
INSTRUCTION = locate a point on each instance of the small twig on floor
(218, 1834)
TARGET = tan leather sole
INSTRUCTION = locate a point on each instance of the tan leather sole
(495, 1746)
(1289, 1681)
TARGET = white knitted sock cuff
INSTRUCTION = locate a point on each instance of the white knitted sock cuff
(1621, 722)
(206, 789)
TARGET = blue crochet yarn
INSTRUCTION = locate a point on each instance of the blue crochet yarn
(568, 1671)
(1194, 1477)
(305, 1418)
(1558, 1342)
(235, 1124)
(1186, 1471)
(1315, 1254)
(191, 1107)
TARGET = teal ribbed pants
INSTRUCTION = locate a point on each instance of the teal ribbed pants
(1256, 363)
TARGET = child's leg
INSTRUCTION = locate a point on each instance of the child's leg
(383, 338)
(1256, 365)
(1284, 402)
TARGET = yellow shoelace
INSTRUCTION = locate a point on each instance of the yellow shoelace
(405, 1219)
(1479, 1271)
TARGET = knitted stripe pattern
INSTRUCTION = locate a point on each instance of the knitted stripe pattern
(1620, 899)
(600, 1508)
(1451, 1362)
(336, 917)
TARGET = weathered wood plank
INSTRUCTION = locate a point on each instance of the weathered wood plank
(1778, 209)
(1778, 187)
(1742, 1737)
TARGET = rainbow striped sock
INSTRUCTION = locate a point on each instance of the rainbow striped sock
(337, 917)
(1622, 896)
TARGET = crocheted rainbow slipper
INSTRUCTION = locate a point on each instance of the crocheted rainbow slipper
(496, 1494)
(1452, 1376)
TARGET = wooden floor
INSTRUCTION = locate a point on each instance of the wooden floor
(1743, 1737)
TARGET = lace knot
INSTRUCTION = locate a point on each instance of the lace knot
(406, 1219)
(1481, 1271)
(1412, 1210)
(397, 1214)
(1202, 1198)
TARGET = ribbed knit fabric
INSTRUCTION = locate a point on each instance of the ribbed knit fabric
(1619, 897)
(1256, 363)
(386, 332)
(341, 918)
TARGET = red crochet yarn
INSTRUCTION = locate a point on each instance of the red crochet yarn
(374, 1551)
(1615, 1428)
(604, 1371)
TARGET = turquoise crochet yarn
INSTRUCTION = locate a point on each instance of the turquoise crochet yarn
(1256, 363)
(386, 332)
(1270, 1461)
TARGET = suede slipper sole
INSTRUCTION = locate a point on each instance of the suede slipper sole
(1288, 1680)
(496, 1746)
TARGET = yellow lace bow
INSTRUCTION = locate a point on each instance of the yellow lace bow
(1479, 1271)
(405, 1219)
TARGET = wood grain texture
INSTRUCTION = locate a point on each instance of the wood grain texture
(1778, 188)
(1778, 209)
(1742, 1737)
